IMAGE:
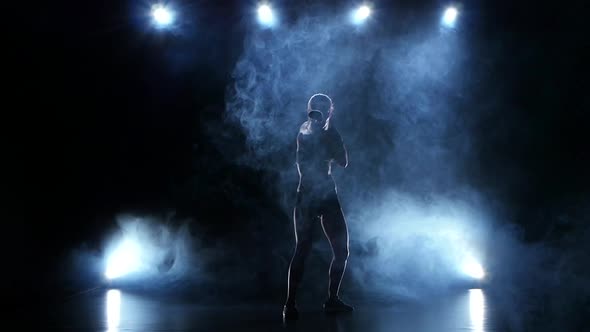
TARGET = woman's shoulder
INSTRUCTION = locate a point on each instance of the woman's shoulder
(305, 128)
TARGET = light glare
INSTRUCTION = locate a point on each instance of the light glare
(113, 310)
(265, 15)
(477, 309)
(361, 14)
(162, 15)
(450, 16)
(123, 260)
(473, 269)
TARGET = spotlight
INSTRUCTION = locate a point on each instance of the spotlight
(123, 260)
(473, 269)
(266, 15)
(450, 16)
(361, 14)
(162, 16)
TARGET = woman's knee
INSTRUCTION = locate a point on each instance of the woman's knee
(341, 254)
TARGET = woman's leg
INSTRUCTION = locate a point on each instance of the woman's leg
(302, 221)
(336, 231)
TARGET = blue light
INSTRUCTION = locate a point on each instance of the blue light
(450, 16)
(265, 15)
(361, 14)
(123, 260)
(477, 310)
(113, 307)
(162, 16)
(473, 269)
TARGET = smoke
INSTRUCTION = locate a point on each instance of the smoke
(395, 106)
(405, 104)
(280, 70)
(151, 248)
(395, 100)
(145, 252)
(413, 249)
(408, 104)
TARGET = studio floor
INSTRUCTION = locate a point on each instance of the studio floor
(116, 310)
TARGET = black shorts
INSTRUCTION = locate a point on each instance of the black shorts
(311, 204)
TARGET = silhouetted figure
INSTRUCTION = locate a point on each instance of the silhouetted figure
(318, 145)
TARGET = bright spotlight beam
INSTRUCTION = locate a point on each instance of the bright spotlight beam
(123, 260)
(450, 16)
(266, 15)
(473, 269)
(361, 14)
(162, 16)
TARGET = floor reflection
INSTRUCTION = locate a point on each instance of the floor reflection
(113, 311)
(477, 309)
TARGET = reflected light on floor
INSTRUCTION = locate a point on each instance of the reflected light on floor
(477, 309)
(113, 310)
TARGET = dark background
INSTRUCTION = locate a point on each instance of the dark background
(116, 114)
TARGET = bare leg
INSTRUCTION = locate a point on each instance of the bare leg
(302, 223)
(336, 231)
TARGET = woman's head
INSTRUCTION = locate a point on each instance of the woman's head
(319, 109)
